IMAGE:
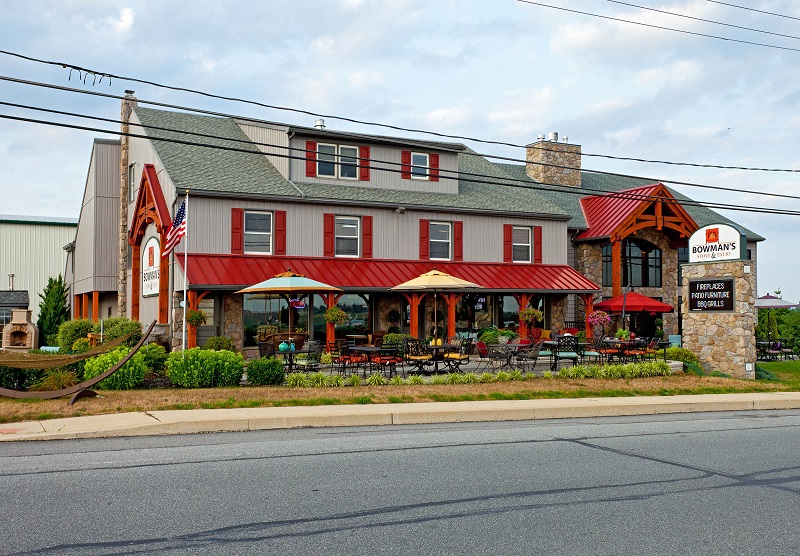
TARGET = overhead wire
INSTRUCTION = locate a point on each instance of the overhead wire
(339, 118)
(495, 179)
(621, 20)
(754, 10)
(475, 154)
(703, 20)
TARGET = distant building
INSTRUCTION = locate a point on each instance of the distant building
(31, 252)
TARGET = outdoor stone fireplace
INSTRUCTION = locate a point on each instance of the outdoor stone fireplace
(20, 333)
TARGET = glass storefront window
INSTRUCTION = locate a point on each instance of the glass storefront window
(271, 310)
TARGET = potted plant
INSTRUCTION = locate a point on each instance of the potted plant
(196, 317)
(599, 318)
(336, 315)
(623, 334)
(530, 316)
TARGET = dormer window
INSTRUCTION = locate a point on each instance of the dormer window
(343, 162)
(419, 166)
(337, 161)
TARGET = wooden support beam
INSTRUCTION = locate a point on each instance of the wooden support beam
(616, 267)
(95, 305)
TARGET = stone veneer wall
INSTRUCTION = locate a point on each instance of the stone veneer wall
(589, 262)
(233, 319)
(724, 341)
(547, 166)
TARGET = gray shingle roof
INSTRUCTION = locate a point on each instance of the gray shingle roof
(597, 184)
(211, 169)
(483, 185)
(14, 299)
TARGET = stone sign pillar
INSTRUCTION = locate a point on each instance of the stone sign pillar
(719, 293)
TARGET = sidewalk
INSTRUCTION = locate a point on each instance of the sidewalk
(225, 420)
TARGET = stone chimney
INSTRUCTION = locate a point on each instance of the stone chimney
(128, 104)
(549, 161)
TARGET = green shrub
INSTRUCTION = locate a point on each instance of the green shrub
(763, 374)
(395, 338)
(130, 376)
(318, 379)
(455, 378)
(440, 379)
(502, 376)
(117, 327)
(719, 374)
(19, 379)
(354, 380)
(56, 379)
(336, 381)
(470, 378)
(492, 335)
(682, 354)
(486, 378)
(218, 343)
(200, 368)
(515, 375)
(375, 379)
(80, 345)
(415, 380)
(691, 368)
(396, 380)
(297, 380)
(266, 371)
(72, 330)
(154, 357)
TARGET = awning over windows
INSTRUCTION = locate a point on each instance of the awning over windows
(238, 271)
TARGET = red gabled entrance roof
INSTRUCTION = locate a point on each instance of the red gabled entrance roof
(208, 271)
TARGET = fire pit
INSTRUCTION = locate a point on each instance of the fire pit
(20, 333)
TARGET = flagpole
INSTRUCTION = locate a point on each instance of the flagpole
(185, 271)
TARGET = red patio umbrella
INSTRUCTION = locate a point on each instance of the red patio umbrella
(633, 303)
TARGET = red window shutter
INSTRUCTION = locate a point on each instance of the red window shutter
(434, 169)
(405, 170)
(280, 232)
(537, 244)
(364, 163)
(328, 242)
(237, 231)
(424, 240)
(366, 237)
(458, 240)
(507, 245)
(311, 159)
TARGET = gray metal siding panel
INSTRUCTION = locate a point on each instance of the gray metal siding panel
(268, 136)
(106, 207)
(395, 236)
(384, 171)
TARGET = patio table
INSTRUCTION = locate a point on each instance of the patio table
(371, 352)
(438, 354)
(289, 354)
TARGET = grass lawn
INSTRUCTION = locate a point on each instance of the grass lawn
(788, 373)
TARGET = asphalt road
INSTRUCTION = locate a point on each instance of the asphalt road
(714, 483)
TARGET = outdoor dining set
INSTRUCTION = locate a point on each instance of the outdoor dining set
(456, 354)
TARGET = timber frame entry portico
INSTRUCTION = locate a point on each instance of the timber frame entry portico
(622, 214)
(150, 208)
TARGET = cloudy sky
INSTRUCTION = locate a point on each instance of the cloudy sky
(502, 71)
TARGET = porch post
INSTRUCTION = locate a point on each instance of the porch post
(588, 301)
(616, 267)
(522, 300)
(85, 306)
(95, 305)
(452, 300)
(330, 328)
(76, 306)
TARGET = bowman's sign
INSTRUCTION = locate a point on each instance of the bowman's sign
(711, 295)
(717, 242)
(151, 255)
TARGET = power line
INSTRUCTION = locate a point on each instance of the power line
(476, 154)
(660, 27)
(755, 10)
(704, 20)
(340, 118)
(495, 180)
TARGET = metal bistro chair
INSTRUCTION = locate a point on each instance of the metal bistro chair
(589, 352)
(499, 356)
(567, 348)
(417, 354)
(338, 361)
(525, 359)
(455, 357)
(312, 359)
(390, 358)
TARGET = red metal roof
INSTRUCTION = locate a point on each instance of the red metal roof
(239, 271)
(605, 213)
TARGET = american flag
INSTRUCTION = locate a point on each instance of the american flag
(176, 231)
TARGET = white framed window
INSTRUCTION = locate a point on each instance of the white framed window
(420, 166)
(347, 236)
(131, 180)
(337, 161)
(440, 234)
(258, 232)
(521, 244)
(5, 316)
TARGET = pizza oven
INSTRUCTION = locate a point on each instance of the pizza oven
(20, 333)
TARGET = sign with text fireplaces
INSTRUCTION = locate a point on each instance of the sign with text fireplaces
(711, 295)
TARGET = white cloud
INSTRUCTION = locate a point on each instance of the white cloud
(522, 111)
(365, 79)
(679, 74)
(447, 117)
(123, 23)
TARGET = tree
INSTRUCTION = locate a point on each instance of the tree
(53, 309)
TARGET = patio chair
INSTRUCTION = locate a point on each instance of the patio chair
(567, 348)
(417, 354)
(312, 360)
(338, 359)
(483, 356)
(525, 359)
(499, 356)
(787, 349)
(589, 352)
(455, 357)
(390, 358)
(635, 350)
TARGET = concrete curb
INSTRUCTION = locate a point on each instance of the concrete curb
(264, 418)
